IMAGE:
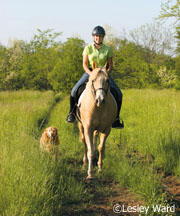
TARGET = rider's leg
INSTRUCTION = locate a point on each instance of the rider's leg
(71, 116)
(118, 96)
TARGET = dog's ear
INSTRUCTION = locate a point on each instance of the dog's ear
(57, 140)
(94, 65)
(56, 132)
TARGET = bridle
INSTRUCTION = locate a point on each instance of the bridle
(95, 90)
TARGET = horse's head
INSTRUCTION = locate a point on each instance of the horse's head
(99, 79)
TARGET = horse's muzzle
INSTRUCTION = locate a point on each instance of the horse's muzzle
(100, 102)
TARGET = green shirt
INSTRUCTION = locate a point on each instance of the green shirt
(100, 56)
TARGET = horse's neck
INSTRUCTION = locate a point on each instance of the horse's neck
(90, 94)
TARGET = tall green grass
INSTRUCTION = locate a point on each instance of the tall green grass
(153, 126)
(148, 143)
(133, 157)
(20, 178)
(31, 183)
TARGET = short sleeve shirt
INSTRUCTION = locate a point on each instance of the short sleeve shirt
(100, 56)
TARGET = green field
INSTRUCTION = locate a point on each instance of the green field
(137, 157)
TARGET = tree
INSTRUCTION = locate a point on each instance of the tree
(68, 68)
(40, 57)
(11, 59)
(130, 70)
(3, 64)
(145, 50)
(171, 9)
(154, 38)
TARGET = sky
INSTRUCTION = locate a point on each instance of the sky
(20, 19)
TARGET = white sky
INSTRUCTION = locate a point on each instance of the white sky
(19, 19)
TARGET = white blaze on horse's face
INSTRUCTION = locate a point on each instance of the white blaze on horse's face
(101, 87)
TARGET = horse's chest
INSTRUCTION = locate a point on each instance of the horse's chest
(96, 117)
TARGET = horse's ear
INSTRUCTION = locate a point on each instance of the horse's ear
(105, 66)
(94, 65)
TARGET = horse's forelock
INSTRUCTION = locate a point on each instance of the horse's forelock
(97, 72)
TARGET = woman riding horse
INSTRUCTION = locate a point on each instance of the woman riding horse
(99, 53)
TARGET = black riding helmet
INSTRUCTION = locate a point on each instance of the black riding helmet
(98, 30)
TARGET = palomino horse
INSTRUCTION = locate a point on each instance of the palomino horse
(97, 112)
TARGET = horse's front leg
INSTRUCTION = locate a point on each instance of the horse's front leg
(101, 149)
(95, 141)
(82, 139)
(88, 133)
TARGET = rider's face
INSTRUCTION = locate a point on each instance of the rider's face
(98, 39)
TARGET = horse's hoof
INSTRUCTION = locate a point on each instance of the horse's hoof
(99, 171)
(89, 178)
(84, 166)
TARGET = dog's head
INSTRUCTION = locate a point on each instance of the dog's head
(51, 133)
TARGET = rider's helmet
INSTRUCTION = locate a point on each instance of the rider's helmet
(98, 30)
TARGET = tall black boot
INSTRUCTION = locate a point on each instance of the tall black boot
(117, 124)
(71, 116)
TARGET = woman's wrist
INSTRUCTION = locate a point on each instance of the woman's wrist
(88, 71)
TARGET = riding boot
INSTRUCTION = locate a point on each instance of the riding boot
(71, 116)
(117, 124)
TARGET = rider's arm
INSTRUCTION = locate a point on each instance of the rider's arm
(85, 64)
(110, 64)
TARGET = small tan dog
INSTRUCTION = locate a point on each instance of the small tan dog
(49, 141)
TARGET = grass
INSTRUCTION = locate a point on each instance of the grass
(33, 184)
(153, 126)
(134, 155)
(21, 116)
(151, 134)
(150, 142)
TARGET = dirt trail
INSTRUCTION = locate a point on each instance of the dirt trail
(107, 194)
(111, 195)
(104, 200)
(171, 185)
(116, 200)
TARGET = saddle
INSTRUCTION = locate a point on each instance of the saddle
(79, 92)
